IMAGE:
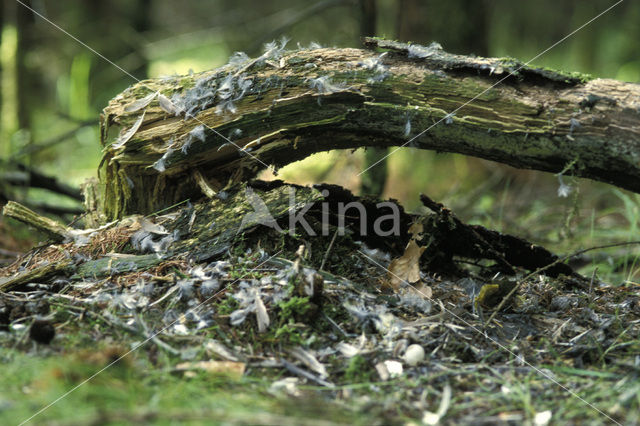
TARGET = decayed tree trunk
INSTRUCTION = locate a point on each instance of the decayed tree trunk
(285, 105)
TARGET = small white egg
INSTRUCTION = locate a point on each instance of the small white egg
(414, 355)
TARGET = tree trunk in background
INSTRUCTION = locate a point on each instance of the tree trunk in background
(461, 26)
(368, 14)
(2, 14)
(123, 46)
(374, 178)
(317, 100)
(24, 25)
(141, 25)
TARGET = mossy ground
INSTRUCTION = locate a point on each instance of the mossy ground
(555, 343)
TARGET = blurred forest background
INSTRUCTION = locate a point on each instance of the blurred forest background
(53, 89)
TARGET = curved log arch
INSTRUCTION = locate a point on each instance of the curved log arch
(286, 105)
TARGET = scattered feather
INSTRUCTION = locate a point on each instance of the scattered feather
(219, 349)
(225, 90)
(140, 103)
(209, 287)
(129, 182)
(324, 86)
(226, 106)
(160, 164)
(563, 189)
(448, 119)
(274, 49)
(347, 349)
(185, 289)
(235, 133)
(407, 128)
(262, 316)
(238, 58)
(312, 46)
(151, 238)
(197, 133)
(419, 51)
(432, 419)
(308, 359)
(166, 104)
(574, 124)
(119, 143)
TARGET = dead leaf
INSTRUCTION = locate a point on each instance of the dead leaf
(407, 267)
(423, 290)
(415, 230)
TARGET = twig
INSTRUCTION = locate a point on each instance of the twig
(326, 255)
(33, 148)
(30, 177)
(55, 230)
(300, 372)
(38, 274)
(154, 338)
(593, 276)
(334, 324)
(537, 271)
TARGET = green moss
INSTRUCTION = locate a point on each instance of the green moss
(359, 370)
(568, 76)
(289, 334)
(227, 306)
(293, 308)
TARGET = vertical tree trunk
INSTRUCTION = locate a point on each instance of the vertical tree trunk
(374, 179)
(368, 17)
(24, 26)
(464, 31)
(2, 14)
(141, 24)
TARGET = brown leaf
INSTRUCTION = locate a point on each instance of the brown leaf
(424, 290)
(415, 230)
(406, 267)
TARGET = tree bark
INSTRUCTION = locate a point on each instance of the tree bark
(301, 102)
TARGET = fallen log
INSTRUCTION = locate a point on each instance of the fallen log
(177, 138)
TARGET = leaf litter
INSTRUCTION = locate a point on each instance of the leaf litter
(267, 309)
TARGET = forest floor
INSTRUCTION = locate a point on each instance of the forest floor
(283, 329)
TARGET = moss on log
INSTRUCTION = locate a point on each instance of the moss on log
(54, 230)
(178, 135)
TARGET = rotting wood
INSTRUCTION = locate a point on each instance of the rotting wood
(40, 273)
(290, 104)
(55, 230)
